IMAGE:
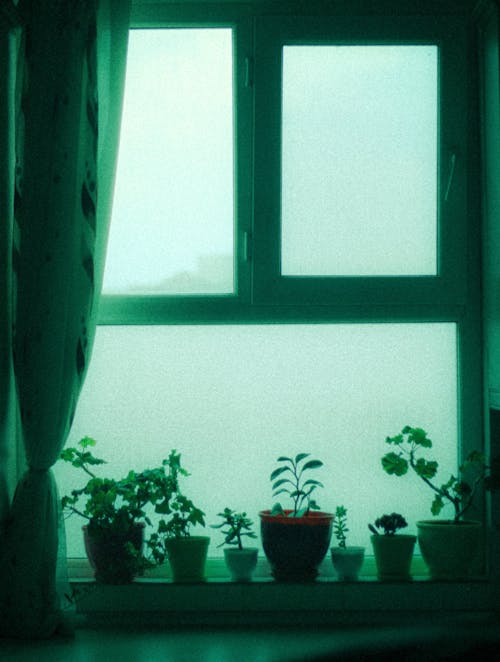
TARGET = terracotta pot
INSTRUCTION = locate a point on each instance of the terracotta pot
(187, 557)
(295, 546)
(108, 556)
(393, 555)
(447, 548)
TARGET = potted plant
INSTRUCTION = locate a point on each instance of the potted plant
(115, 512)
(295, 540)
(448, 546)
(393, 553)
(186, 553)
(347, 560)
(240, 560)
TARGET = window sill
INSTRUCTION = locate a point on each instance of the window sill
(222, 602)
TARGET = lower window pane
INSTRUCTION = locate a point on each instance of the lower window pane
(232, 399)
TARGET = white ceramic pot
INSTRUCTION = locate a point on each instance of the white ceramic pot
(347, 562)
(241, 562)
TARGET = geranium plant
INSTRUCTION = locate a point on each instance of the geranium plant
(459, 491)
(289, 479)
(110, 504)
(113, 507)
(181, 512)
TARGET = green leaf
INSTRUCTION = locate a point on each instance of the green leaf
(398, 439)
(86, 442)
(163, 508)
(419, 437)
(437, 505)
(312, 481)
(277, 472)
(277, 509)
(394, 464)
(67, 454)
(282, 491)
(426, 469)
(312, 464)
(281, 481)
(300, 457)
(283, 458)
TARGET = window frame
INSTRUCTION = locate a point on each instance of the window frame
(449, 285)
(262, 295)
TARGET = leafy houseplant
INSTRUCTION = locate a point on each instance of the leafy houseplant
(346, 560)
(240, 560)
(447, 546)
(116, 513)
(393, 552)
(295, 540)
(186, 553)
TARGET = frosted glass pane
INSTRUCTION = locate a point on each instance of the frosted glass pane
(172, 222)
(359, 160)
(232, 399)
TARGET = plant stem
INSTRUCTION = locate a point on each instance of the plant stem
(441, 492)
(87, 471)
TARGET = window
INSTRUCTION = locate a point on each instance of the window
(173, 217)
(291, 264)
(354, 119)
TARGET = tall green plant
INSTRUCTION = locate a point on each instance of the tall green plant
(459, 491)
(289, 479)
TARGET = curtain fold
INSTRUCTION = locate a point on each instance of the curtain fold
(8, 39)
(71, 66)
(490, 30)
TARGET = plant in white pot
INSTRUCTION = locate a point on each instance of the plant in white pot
(186, 553)
(347, 560)
(240, 560)
(295, 540)
(448, 546)
(393, 551)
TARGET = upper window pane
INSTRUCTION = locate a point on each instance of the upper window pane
(359, 160)
(173, 215)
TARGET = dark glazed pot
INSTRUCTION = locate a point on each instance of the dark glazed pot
(295, 546)
(108, 556)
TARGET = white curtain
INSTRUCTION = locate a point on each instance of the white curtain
(70, 66)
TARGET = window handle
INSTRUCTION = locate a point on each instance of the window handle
(247, 247)
(248, 72)
(453, 162)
